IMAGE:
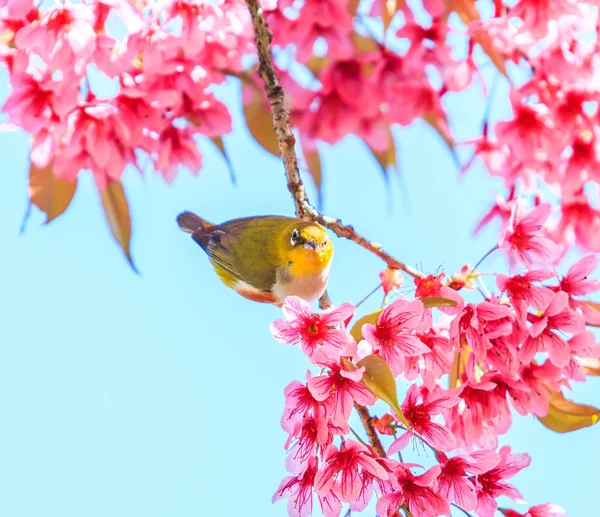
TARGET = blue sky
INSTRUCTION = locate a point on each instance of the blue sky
(160, 394)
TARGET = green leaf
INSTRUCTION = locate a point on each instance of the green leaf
(437, 301)
(116, 210)
(458, 368)
(379, 380)
(369, 318)
(565, 415)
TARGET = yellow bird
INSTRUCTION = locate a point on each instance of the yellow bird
(266, 258)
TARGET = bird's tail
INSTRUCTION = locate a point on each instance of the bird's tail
(190, 222)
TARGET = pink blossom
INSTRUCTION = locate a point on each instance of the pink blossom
(543, 333)
(419, 417)
(16, 9)
(541, 510)
(176, 147)
(537, 13)
(522, 291)
(481, 415)
(310, 329)
(64, 33)
(538, 379)
(529, 134)
(391, 279)
(298, 490)
(96, 139)
(340, 388)
(474, 323)
(299, 402)
(37, 101)
(492, 483)
(392, 337)
(341, 470)
(417, 492)
(453, 482)
(431, 365)
(524, 239)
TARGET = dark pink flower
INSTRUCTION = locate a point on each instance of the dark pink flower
(342, 468)
(310, 329)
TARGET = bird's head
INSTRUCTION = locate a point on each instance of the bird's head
(309, 248)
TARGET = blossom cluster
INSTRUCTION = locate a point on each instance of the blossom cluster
(341, 73)
(524, 341)
(98, 84)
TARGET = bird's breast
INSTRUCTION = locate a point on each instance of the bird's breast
(309, 287)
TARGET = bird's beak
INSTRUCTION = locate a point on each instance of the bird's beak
(311, 245)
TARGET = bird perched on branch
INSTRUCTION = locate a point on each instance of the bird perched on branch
(265, 258)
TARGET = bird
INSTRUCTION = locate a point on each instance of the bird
(265, 258)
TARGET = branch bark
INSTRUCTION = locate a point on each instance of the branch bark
(287, 142)
(367, 422)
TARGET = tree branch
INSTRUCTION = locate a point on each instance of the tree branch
(287, 141)
(367, 421)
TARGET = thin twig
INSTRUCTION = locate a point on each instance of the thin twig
(367, 421)
(461, 509)
(287, 141)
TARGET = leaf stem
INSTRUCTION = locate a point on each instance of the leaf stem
(484, 257)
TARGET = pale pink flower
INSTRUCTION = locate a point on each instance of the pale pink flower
(391, 279)
(420, 417)
(300, 324)
(298, 490)
(96, 139)
(37, 101)
(544, 332)
(64, 33)
(492, 484)
(541, 510)
(537, 13)
(176, 147)
(15, 9)
(339, 389)
(529, 134)
(341, 470)
(453, 482)
(522, 291)
(392, 337)
(417, 492)
(524, 238)
(474, 324)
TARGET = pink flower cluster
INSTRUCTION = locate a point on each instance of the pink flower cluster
(160, 58)
(512, 350)
(552, 141)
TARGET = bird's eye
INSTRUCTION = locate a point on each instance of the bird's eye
(295, 237)
(324, 242)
